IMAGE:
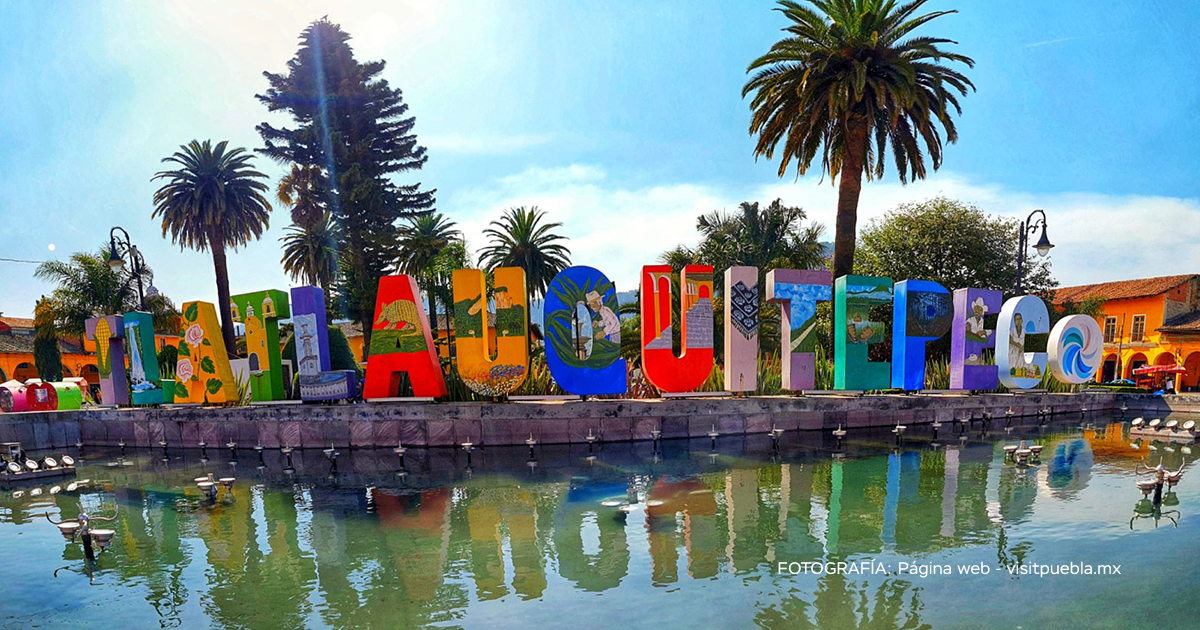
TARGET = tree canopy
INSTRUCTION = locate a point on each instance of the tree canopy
(849, 79)
(351, 137)
(951, 242)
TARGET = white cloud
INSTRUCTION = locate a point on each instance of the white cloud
(614, 228)
(619, 228)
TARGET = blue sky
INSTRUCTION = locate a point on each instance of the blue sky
(624, 120)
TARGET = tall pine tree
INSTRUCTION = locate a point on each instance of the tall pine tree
(352, 126)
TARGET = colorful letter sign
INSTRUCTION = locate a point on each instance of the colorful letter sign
(258, 311)
(921, 312)
(203, 374)
(144, 380)
(1075, 348)
(109, 334)
(317, 381)
(741, 329)
(484, 375)
(695, 361)
(1021, 316)
(854, 332)
(797, 293)
(583, 333)
(970, 337)
(401, 343)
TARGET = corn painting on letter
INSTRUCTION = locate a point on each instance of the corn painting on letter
(109, 334)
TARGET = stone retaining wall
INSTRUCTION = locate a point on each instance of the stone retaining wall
(549, 422)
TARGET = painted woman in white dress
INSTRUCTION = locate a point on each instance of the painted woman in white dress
(1016, 346)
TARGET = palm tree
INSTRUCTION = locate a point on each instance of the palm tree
(214, 200)
(849, 78)
(519, 239)
(299, 190)
(768, 238)
(87, 287)
(310, 253)
(422, 241)
(774, 237)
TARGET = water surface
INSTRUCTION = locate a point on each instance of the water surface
(503, 540)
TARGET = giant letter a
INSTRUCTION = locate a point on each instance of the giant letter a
(401, 343)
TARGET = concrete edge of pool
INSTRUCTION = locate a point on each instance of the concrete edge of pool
(549, 422)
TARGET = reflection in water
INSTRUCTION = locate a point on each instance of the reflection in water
(368, 551)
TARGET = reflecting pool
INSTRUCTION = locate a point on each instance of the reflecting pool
(621, 535)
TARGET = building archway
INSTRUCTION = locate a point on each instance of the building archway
(1191, 380)
(66, 372)
(91, 373)
(1136, 361)
(24, 372)
(3, 376)
(1110, 369)
(1164, 358)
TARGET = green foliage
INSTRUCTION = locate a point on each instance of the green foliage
(848, 79)
(950, 242)
(431, 248)
(560, 325)
(520, 239)
(167, 358)
(774, 237)
(212, 201)
(538, 381)
(310, 252)
(87, 287)
(46, 355)
(353, 135)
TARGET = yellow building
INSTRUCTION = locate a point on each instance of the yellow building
(1148, 321)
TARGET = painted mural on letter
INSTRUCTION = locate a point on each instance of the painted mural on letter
(798, 292)
(481, 373)
(695, 361)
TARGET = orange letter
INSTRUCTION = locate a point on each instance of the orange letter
(473, 329)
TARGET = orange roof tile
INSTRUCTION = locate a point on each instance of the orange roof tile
(17, 322)
(1121, 289)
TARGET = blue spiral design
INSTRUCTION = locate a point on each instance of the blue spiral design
(1079, 352)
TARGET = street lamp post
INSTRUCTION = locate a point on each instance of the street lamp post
(115, 260)
(1043, 245)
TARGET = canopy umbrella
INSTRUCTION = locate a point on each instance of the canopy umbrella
(1161, 369)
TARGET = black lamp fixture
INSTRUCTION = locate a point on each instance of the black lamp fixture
(115, 261)
(1043, 245)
